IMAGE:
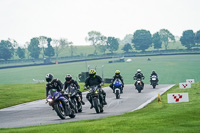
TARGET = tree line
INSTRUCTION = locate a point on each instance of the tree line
(140, 40)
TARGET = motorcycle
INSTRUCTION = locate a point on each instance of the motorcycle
(97, 98)
(153, 81)
(71, 93)
(139, 86)
(117, 86)
(60, 104)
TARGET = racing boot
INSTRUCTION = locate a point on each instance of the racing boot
(91, 104)
(83, 103)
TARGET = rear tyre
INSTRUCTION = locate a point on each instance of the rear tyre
(139, 90)
(154, 86)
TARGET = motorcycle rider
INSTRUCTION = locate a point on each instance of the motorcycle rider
(140, 76)
(154, 73)
(94, 79)
(117, 75)
(53, 83)
(68, 82)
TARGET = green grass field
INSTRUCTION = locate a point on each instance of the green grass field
(171, 69)
(154, 118)
(14, 94)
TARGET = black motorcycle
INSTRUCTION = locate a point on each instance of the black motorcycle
(154, 81)
(60, 104)
(97, 98)
(71, 93)
(139, 85)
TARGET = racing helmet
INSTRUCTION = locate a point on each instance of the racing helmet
(68, 77)
(117, 73)
(139, 70)
(49, 77)
(92, 73)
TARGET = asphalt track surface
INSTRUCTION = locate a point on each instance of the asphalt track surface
(38, 113)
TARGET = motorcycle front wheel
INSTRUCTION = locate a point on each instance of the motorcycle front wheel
(72, 115)
(60, 109)
(117, 94)
(96, 105)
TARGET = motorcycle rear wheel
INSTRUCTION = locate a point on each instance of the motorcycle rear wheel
(154, 86)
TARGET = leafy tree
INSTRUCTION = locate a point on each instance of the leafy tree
(21, 52)
(157, 41)
(187, 39)
(72, 50)
(102, 44)
(6, 49)
(14, 44)
(95, 38)
(64, 42)
(127, 39)
(27, 53)
(166, 36)
(43, 41)
(197, 37)
(112, 44)
(60, 44)
(34, 49)
(102, 48)
(127, 47)
(142, 40)
(49, 51)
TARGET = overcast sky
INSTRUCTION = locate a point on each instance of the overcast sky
(73, 19)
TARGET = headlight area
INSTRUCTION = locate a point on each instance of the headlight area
(49, 100)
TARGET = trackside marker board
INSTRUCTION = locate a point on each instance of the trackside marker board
(190, 81)
(184, 85)
(177, 97)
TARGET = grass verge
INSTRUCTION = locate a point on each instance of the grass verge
(174, 117)
(13, 94)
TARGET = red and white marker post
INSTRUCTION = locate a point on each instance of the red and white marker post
(177, 97)
(185, 85)
(190, 81)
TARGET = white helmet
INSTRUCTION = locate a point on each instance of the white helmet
(139, 70)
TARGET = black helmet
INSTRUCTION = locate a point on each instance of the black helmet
(68, 77)
(49, 77)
